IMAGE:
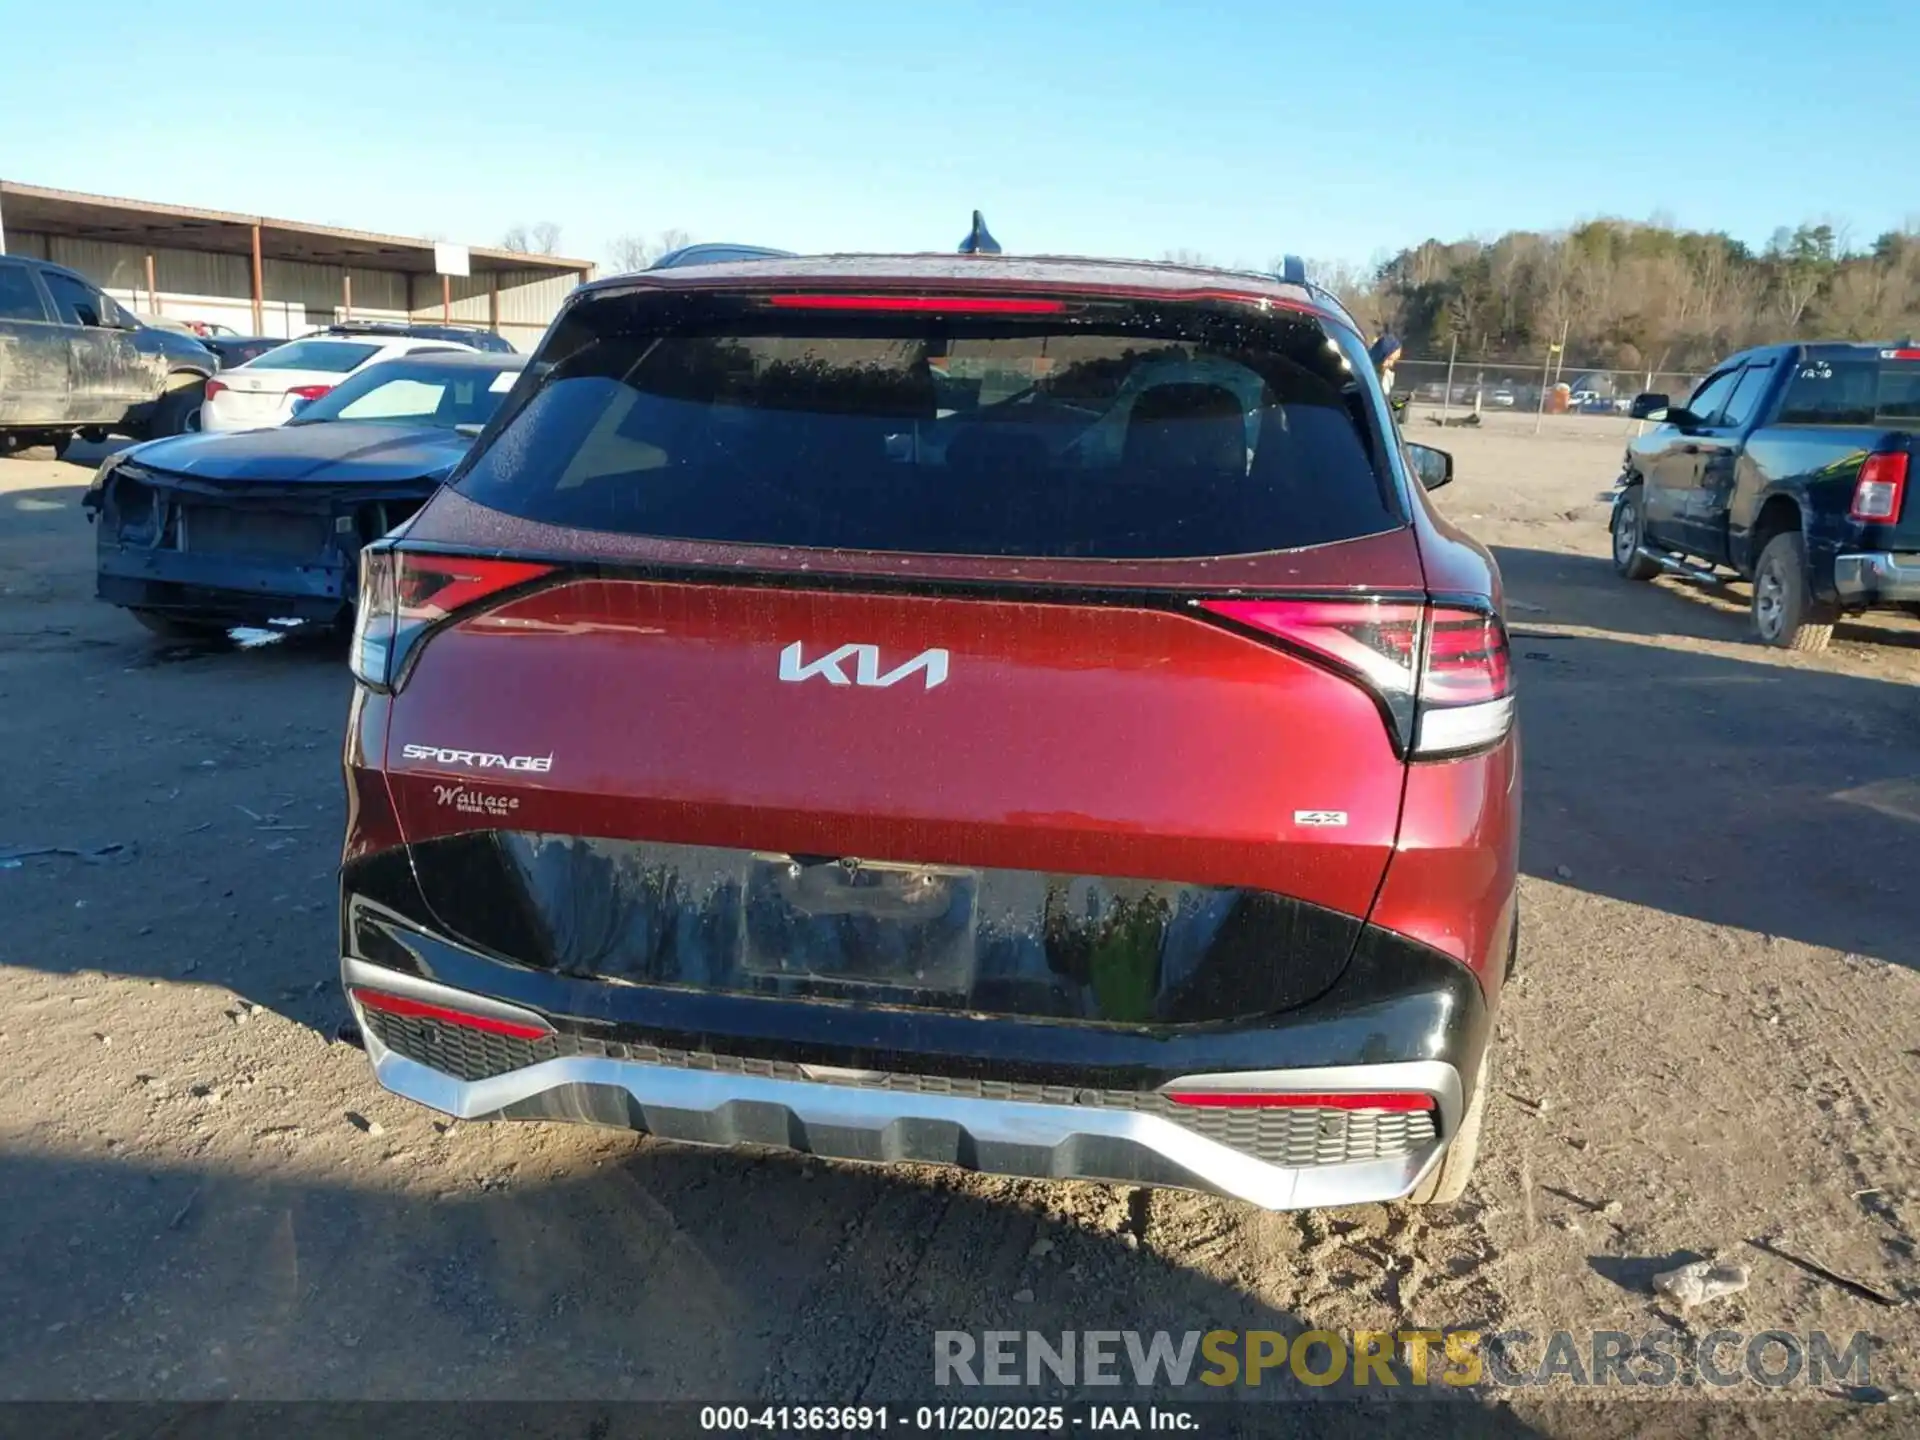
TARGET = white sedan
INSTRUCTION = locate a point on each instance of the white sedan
(270, 389)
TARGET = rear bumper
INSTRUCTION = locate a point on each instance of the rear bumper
(1877, 578)
(1008, 1097)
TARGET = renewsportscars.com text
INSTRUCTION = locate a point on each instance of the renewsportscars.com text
(1385, 1359)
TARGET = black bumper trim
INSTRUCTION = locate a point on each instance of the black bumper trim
(1396, 1000)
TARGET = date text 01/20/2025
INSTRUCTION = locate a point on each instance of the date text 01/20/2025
(943, 1419)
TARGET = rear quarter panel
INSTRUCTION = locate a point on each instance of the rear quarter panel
(1451, 560)
(1452, 880)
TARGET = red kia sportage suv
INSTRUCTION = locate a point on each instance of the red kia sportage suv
(1021, 714)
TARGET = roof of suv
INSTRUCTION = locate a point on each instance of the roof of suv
(1133, 277)
(477, 336)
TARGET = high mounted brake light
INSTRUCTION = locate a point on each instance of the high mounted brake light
(404, 594)
(1443, 672)
(1881, 489)
(923, 304)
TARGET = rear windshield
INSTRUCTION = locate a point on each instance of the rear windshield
(332, 357)
(416, 392)
(1868, 390)
(1112, 430)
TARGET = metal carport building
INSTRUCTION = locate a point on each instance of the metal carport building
(265, 276)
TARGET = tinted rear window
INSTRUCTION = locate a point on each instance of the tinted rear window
(1852, 391)
(331, 357)
(1113, 431)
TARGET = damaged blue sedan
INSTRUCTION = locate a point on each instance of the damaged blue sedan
(203, 532)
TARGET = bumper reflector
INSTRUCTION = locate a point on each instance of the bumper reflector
(1266, 1099)
(420, 1010)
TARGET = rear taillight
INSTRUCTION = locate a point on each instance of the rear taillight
(1443, 673)
(308, 392)
(404, 594)
(214, 387)
(1882, 486)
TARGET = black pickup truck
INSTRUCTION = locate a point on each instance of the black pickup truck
(72, 360)
(1787, 465)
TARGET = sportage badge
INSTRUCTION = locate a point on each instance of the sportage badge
(480, 759)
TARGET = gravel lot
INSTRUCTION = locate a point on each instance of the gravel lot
(1712, 1044)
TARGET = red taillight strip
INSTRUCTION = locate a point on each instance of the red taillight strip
(420, 1010)
(923, 304)
(1379, 641)
(449, 583)
(1900, 354)
(1330, 1100)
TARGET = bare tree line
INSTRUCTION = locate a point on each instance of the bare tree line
(1641, 296)
(636, 252)
(542, 237)
(1630, 296)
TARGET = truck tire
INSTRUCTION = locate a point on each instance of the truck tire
(1447, 1181)
(1629, 535)
(1785, 612)
(178, 411)
(29, 445)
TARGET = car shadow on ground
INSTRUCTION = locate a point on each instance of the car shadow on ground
(1741, 792)
(665, 1273)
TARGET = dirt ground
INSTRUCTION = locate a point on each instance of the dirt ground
(1711, 1047)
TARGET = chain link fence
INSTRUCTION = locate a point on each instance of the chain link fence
(1456, 388)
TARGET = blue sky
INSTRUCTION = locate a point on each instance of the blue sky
(1128, 127)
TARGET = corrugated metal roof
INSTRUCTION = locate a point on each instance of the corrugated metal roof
(147, 224)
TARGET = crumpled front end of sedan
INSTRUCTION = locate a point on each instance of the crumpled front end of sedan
(175, 546)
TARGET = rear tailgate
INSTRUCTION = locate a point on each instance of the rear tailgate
(984, 775)
(1056, 737)
(1029, 745)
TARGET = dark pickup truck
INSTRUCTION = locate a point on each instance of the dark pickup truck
(73, 361)
(1787, 465)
